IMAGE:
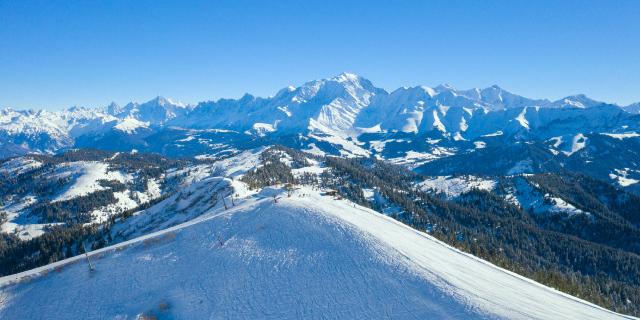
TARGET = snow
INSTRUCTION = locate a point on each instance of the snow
(18, 166)
(303, 257)
(130, 125)
(83, 178)
(576, 104)
(314, 150)
(412, 159)
(579, 101)
(455, 186)
(625, 182)
(237, 165)
(521, 118)
(374, 129)
(311, 169)
(437, 124)
(152, 192)
(463, 124)
(495, 134)
(187, 139)
(578, 143)
(129, 199)
(86, 175)
(621, 176)
(458, 137)
(528, 197)
(379, 145)
(559, 205)
(20, 224)
(568, 144)
(369, 193)
(523, 166)
(557, 141)
(262, 129)
(189, 202)
(622, 136)
(349, 148)
(234, 166)
(480, 144)
(27, 231)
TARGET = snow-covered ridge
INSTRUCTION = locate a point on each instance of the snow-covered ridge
(87, 176)
(254, 259)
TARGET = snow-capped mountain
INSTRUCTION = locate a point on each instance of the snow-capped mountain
(156, 111)
(342, 115)
(497, 98)
(579, 101)
(327, 105)
(30, 130)
(48, 131)
(344, 106)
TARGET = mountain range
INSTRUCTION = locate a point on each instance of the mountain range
(438, 129)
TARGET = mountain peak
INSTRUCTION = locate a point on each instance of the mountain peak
(347, 76)
(113, 108)
(444, 87)
(159, 100)
(162, 101)
(247, 97)
(76, 108)
(576, 101)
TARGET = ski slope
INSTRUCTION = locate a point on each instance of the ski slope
(306, 256)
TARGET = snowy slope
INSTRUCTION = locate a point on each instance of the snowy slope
(86, 176)
(528, 196)
(124, 182)
(17, 166)
(307, 256)
(455, 186)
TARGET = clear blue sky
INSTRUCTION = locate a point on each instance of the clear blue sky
(55, 54)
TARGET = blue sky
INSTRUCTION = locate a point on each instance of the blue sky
(56, 54)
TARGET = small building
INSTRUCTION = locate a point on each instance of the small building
(331, 193)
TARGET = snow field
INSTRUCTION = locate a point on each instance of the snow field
(303, 257)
